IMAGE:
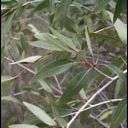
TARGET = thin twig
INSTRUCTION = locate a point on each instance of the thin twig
(92, 98)
(103, 29)
(31, 71)
(58, 84)
(94, 105)
(102, 123)
(103, 73)
(24, 67)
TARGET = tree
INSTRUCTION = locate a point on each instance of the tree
(68, 63)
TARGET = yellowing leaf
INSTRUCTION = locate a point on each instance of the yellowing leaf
(30, 59)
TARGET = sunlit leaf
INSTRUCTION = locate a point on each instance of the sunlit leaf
(6, 78)
(50, 42)
(105, 115)
(67, 41)
(45, 85)
(40, 114)
(120, 27)
(22, 126)
(30, 59)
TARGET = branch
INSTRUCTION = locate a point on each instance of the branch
(22, 66)
(31, 71)
(93, 106)
(92, 98)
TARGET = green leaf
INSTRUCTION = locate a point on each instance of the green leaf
(22, 126)
(84, 116)
(101, 4)
(105, 115)
(76, 41)
(58, 117)
(114, 69)
(88, 40)
(34, 29)
(53, 68)
(6, 78)
(70, 25)
(82, 94)
(50, 42)
(10, 98)
(45, 45)
(30, 59)
(41, 5)
(120, 114)
(118, 10)
(40, 114)
(76, 84)
(67, 41)
(121, 7)
(5, 0)
(8, 24)
(64, 7)
(120, 27)
(103, 36)
(45, 85)
(119, 88)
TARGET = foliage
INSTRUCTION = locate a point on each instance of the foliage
(53, 72)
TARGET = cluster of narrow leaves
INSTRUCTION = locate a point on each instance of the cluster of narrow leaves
(71, 66)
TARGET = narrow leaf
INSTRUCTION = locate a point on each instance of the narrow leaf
(105, 115)
(101, 4)
(45, 45)
(8, 24)
(117, 71)
(40, 114)
(6, 78)
(30, 59)
(50, 42)
(53, 68)
(120, 27)
(76, 84)
(41, 5)
(118, 10)
(67, 41)
(22, 126)
(45, 86)
(88, 40)
(58, 117)
(120, 114)
(10, 98)
(64, 6)
(70, 25)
